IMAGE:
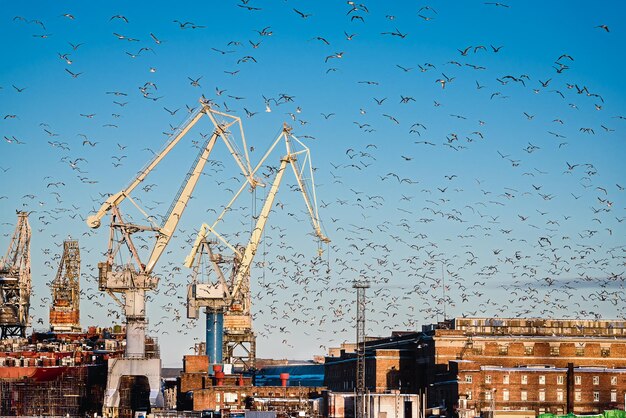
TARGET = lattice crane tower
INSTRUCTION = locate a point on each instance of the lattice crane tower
(15, 282)
(361, 405)
(65, 309)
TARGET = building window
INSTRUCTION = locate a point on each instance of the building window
(580, 351)
(613, 396)
(528, 350)
(542, 395)
(524, 379)
(468, 378)
(577, 380)
(488, 395)
(596, 380)
(542, 380)
(560, 380)
(505, 379)
(578, 396)
(505, 395)
(488, 379)
(469, 395)
(524, 395)
(554, 350)
(559, 395)
(503, 350)
(605, 351)
(596, 396)
(614, 380)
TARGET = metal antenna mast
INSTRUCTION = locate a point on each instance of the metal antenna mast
(360, 404)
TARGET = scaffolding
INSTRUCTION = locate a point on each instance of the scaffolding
(75, 392)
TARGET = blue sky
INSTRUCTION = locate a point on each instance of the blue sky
(515, 184)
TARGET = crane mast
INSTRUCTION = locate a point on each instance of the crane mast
(133, 278)
(65, 308)
(15, 282)
(229, 319)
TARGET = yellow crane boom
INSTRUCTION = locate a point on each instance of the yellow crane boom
(165, 232)
(133, 278)
(247, 256)
(229, 321)
(115, 199)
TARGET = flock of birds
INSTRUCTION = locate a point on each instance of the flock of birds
(446, 211)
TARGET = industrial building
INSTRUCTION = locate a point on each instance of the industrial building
(221, 389)
(467, 367)
(542, 365)
(377, 405)
(392, 384)
(56, 374)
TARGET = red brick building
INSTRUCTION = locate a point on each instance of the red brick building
(541, 388)
(392, 385)
(473, 365)
(199, 390)
(389, 365)
(470, 366)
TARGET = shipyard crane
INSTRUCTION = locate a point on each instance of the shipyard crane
(15, 282)
(134, 278)
(227, 303)
(65, 307)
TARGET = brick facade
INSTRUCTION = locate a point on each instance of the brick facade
(252, 397)
(556, 366)
(389, 365)
(468, 366)
(198, 390)
(540, 388)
